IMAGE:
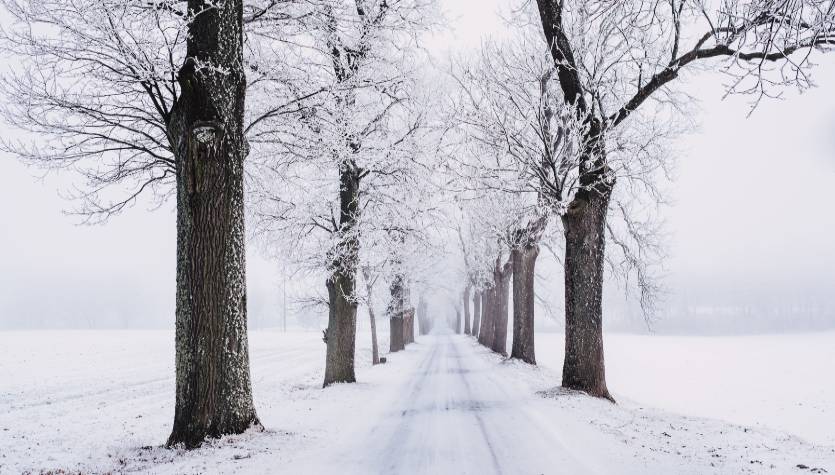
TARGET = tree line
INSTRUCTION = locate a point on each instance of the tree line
(322, 128)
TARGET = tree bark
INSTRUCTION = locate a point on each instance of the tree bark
(409, 329)
(375, 351)
(213, 384)
(397, 340)
(502, 277)
(585, 225)
(524, 263)
(467, 330)
(341, 332)
(342, 314)
(488, 303)
(476, 313)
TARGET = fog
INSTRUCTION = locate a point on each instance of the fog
(749, 228)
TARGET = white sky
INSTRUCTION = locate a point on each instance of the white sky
(753, 211)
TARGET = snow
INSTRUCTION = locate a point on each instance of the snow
(99, 401)
(783, 382)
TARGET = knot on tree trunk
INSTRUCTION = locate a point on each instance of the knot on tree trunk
(207, 134)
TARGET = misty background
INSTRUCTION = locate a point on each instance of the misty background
(749, 230)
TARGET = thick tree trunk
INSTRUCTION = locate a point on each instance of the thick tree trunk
(502, 289)
(342, 329)
(585, 225)
(213, 386)
(342, 314)
(524, 263)
(467, 330)
(476, 313)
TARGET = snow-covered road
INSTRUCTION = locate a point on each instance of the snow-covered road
(101, 402)
(451, 413)
(450, 406)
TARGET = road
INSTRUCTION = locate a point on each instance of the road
(450, 413)
(101, 402)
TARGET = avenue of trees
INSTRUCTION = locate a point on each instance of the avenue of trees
(324, 126)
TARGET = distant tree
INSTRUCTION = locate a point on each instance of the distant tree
(370, 280)
(521, 160)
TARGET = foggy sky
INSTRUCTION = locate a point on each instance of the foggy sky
(751, 224)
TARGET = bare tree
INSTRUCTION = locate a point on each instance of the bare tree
(150, 97)
(339, 176)
(206, 129)
(501, 284)
(370, 280)
(612, 59)
(96, 85)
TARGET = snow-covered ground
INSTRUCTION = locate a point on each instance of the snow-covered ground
(786, 382)
(102, 401)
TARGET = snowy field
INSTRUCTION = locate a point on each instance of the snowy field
(102, 401)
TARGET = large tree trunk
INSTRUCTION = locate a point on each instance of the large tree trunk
(585, 225)
(476, 313)
(341, 332)
(213, 387)
(502, 281)
(342, 314)
(524, 263)
(467, 330)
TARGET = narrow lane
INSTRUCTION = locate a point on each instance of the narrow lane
(451, 415)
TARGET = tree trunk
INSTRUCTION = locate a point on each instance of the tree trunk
(342, 314)
(422, 317)
(375, 352)
(213, 387)
(409, 330)
(397, 341)
(585, 225)
(467, 330)
(341, 332)
(369, 288)
(488, 312)
(524, 263)
(476, 313)
(502, 289)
